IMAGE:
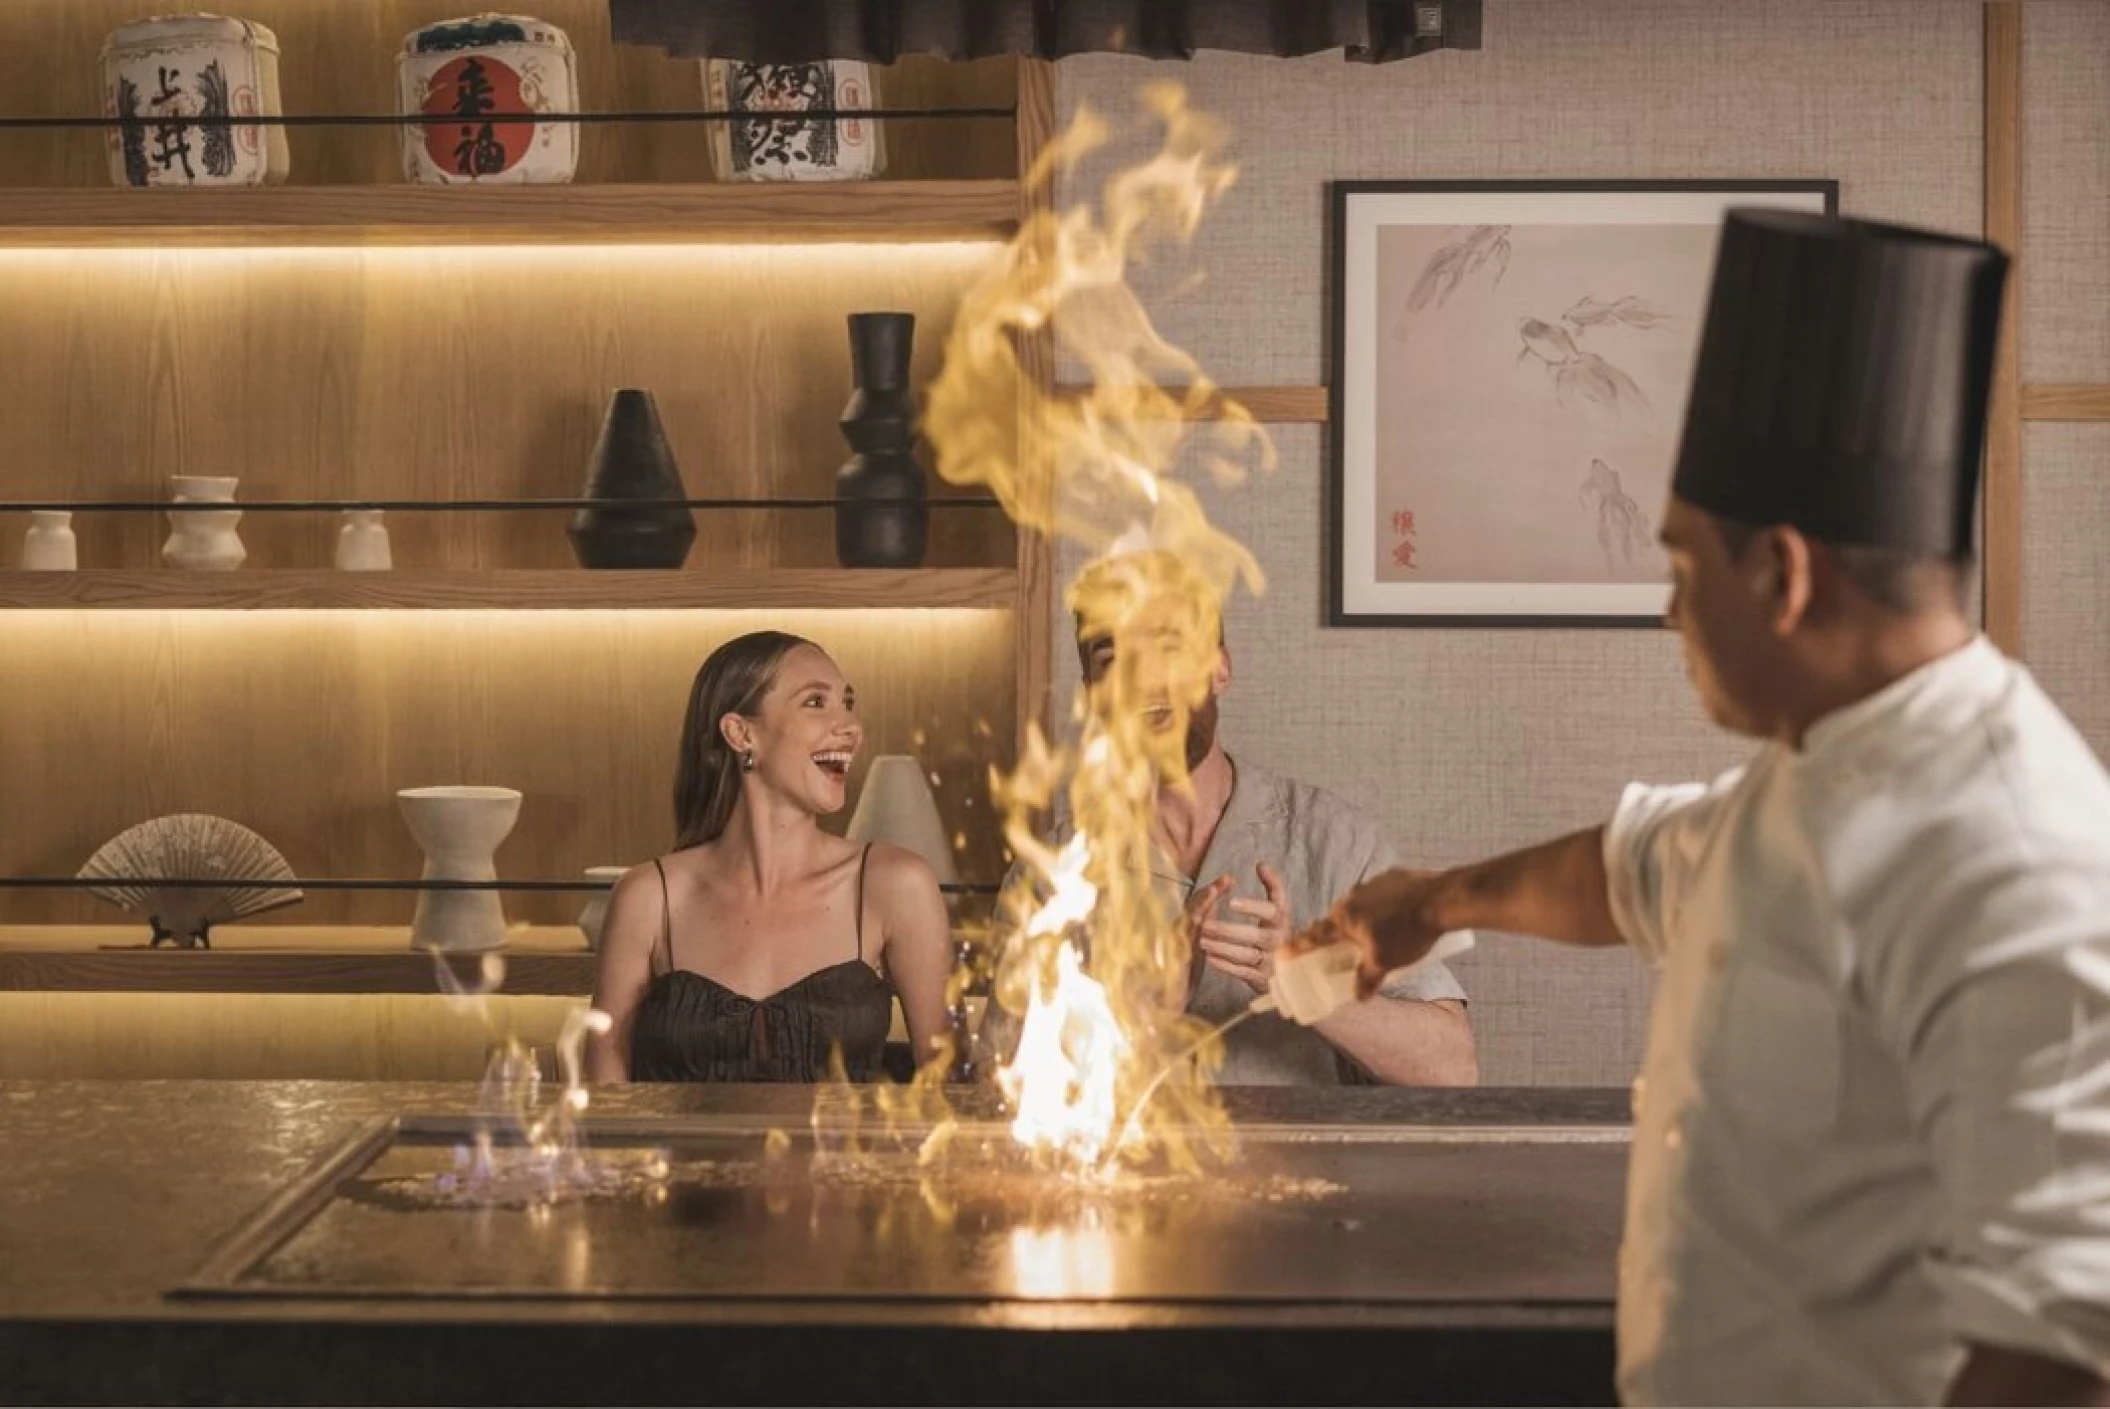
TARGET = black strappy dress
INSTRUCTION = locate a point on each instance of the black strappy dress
(690, 1027)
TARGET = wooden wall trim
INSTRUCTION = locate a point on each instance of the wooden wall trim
(1036, 565)
(2065, 401)
(2003, 226)
(1275, 405)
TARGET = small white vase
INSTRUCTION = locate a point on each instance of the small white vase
(49, 545)
(204, 538)
(596, 912)
(362, 544)
(460, 829)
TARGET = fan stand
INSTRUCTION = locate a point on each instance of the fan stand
(201, 939)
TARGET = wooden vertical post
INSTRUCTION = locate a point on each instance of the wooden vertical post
(2003, 226)
(1036, 568)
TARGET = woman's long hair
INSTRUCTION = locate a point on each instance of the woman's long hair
(733, 680)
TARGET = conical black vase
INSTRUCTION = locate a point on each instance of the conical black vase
(633, 468)
(885, 519)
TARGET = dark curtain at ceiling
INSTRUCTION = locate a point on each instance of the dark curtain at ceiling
(798, 31)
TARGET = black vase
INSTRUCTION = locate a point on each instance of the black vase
(886, 519)
(633, 467)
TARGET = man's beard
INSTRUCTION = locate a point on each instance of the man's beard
(1201, 732)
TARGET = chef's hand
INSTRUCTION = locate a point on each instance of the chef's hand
(1387, 918)
(1247, 951)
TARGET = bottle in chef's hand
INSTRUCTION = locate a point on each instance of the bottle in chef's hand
(1309, 985)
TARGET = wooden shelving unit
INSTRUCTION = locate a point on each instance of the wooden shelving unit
(522, 589)
(285, 971)
(539, 960)
(354, 215)
(444, 377)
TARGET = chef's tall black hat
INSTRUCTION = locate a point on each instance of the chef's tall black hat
(1842, 379)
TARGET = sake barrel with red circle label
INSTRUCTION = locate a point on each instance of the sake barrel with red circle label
(476, 78)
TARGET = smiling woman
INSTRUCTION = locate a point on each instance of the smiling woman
(763, 948)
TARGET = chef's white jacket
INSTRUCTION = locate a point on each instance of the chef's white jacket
(1874, 1118)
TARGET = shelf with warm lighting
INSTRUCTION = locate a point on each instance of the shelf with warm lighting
(589, 214)
(511, 588)
(539, 959)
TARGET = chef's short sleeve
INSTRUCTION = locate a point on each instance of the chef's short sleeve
(1651, 846)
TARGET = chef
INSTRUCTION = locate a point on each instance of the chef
(1872, 1135)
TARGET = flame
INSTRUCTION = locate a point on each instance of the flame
(528, 1154)
(1099, 963)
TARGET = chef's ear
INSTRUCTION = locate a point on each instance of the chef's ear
(1783, 582)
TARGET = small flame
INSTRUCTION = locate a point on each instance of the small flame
(533, 1155)
(1100, 966)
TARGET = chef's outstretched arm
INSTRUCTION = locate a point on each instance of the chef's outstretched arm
(1557, 890)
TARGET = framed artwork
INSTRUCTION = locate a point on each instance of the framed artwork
(1511, 361)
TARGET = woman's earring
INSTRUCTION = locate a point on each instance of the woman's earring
(747, 761)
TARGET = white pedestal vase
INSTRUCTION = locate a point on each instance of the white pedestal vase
(183, 76)
(460, 829)
(777, 144)
(204, 538)
(457, 71)
(596, 912)
(49, 544)
(362, 543)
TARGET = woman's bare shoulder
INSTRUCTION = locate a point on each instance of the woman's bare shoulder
(896, 873)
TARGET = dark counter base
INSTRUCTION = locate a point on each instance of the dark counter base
(336, 1362)
(118, 1190)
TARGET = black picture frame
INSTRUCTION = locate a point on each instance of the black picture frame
(1356, 210)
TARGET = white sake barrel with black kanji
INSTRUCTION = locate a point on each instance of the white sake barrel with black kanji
(183, 77)
(465, 75)
(777, 145)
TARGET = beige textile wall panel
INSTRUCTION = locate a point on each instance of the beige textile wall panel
(267, 1037)
(1882, 94)
(1463, 742)
(452, 373)
(339, 57)
(2066, 573)
(2065, 195)
(304, 725)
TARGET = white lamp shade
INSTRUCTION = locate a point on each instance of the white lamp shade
(897, 807)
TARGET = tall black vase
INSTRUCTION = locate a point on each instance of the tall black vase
(886, 519)
(633, 467)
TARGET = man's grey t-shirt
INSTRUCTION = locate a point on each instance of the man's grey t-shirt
(1323, 848)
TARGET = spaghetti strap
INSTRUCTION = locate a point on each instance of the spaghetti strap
(863, 859)
(666, 917)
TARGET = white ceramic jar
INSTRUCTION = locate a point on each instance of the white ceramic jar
(178, 73)
(204, 538)
(459, 70)
(49, 544)
(362, 543)
(784, 148)
(595, 913)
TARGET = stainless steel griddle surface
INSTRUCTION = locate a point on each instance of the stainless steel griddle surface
(1369, 1214)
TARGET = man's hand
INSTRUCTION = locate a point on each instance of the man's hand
(1387, 917)
(1201, 909)
(1247, 951)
